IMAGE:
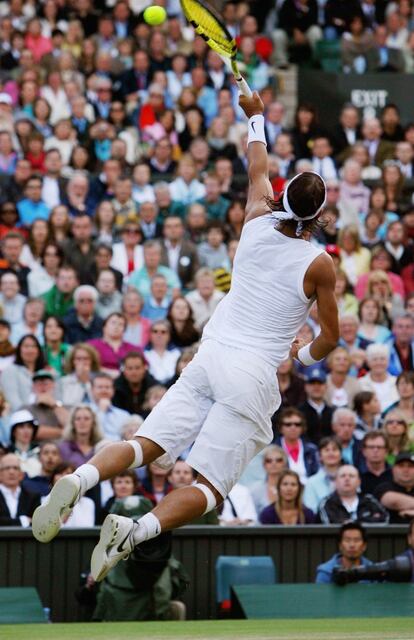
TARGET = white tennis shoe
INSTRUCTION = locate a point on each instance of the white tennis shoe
(47, 519)
(115, 544)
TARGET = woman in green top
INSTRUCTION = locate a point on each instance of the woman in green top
(396, 429)
(55, 349)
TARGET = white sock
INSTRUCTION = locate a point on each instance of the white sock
(89, 476)
(146, 528)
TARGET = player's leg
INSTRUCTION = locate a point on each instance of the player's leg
(171, 427)
(187, 503)
(233, 433)
(112, 459)
(119, 535)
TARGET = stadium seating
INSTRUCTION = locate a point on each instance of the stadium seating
(328, 55)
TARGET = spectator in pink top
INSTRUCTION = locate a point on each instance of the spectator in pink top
(380, 259)
(35, 42)
(111, 347)
(137, 328)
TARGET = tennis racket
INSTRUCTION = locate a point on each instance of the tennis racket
(209, 26)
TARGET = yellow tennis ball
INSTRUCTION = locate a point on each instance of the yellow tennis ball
(155, 15)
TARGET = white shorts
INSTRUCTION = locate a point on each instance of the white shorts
(223, 402)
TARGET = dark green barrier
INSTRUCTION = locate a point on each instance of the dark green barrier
(55, 568)
(323, 601)
(20, 604)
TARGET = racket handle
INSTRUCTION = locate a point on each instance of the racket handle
(244, 87)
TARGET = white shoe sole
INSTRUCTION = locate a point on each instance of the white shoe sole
(101, 564)
(47, 520)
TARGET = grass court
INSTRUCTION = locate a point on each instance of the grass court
(326, 629)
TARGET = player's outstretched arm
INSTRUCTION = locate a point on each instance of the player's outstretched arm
(257, 160)
(321, 274)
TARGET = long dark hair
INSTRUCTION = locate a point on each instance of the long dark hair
(59, 323)
(189, 333)
(306, 196)
(306, 106)
(59, 251)
(40, 361)
(31, 242)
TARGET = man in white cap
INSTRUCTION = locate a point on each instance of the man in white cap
(224, 399)
(23, 429)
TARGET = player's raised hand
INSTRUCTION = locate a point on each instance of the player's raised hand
(252, 106)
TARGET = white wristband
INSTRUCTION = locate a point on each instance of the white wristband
(256, 132)
(304, 356)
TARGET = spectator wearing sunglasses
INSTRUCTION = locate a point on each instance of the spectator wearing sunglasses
(128, 254)
(161, 359)
(274, 462)
(397, 432)
(302, 455)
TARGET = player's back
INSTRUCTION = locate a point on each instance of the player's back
(266, 305)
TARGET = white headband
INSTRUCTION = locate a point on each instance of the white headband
(289, 214)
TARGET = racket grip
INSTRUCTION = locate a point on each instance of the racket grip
(244, 87)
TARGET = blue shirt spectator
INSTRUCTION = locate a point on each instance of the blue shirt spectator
(32, 206)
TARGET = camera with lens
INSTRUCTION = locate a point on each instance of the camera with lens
(397, 569)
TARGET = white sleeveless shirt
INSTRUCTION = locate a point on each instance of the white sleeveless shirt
(266, 305)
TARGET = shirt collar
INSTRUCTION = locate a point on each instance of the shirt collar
(15, 494)
(318, 407)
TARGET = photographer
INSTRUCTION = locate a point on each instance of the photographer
(147, 586)
(352, 545)
(409, 553)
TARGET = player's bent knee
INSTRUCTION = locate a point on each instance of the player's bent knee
(210, 496)
(138, 454)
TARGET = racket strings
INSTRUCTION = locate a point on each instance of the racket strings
(208, 27)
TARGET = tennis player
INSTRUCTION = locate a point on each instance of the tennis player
(225, 397)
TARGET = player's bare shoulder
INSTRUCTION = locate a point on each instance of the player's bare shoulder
(321, 273)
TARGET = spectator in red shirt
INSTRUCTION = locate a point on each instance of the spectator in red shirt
(153, 108)
(36, 154)
(263, 45)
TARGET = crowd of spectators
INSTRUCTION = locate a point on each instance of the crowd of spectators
(122, 191)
